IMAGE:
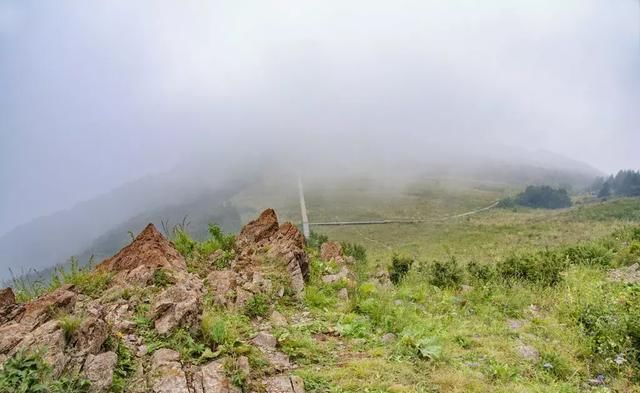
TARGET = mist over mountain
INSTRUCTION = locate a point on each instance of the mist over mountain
(100, 226)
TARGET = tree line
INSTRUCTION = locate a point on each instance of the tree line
(626, 183)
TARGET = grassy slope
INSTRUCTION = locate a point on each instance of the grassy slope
(480, 333)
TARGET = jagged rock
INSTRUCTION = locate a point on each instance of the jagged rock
(242, 297)
(90, 336)
(278, 360)
(211, 378)
(343, 294)
(277, 319)
(166, 372)
(11, 312)
(330, 250)
(222, 282)
(10, 335)
(331, 278)
(265, 340)
(98, 369)
(119, 317)
(49, 337)
(45, 307)
(7, 298)
(178, 305)
(284, 384)
(149, 249)
(259, 230)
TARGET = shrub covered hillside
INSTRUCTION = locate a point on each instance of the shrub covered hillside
(265, 312)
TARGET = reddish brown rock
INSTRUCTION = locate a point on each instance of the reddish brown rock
(45, 307)
(7, 298)
(259, 230)
(330, 250)
(149, 249)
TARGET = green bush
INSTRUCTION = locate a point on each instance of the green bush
(316, 240)
(357, 251)
(69, 324)
(28, 373)
(161, 279)
(480, 272)
(399, 268)
(445, 274)
(589, 254)
(257, 306)
(544, 267)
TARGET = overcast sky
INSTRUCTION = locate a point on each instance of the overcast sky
(96, 93)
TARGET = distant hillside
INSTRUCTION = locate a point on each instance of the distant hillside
(100, 226)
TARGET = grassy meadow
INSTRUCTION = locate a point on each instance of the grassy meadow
(505, 300)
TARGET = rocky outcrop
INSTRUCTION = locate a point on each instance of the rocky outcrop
(259, 230)
(149, 251)
(270, 258)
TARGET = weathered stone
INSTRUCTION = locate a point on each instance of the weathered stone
(49, 337)
(388, 338)
(10, 335)
(98, 369)
(243, 365)
(277, 319)
(178, 305)
(167, 375)
(149, 249)
(45, 307)
(90, 336)
(211, 378)
(7, 298)
(284, 384)
(343, 294)
(330, 250)
(528, 352)
(265, 340)
(222, 282)
(242, 297)
(331, 278)
(297, 384)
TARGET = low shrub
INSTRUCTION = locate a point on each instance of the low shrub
(445, 274)
(399, 268)
(357, 251)
(257, 306)
(542, 268)
(69, 324)
(27, 372)
(480, 272)
(316, 240)
(594, 254)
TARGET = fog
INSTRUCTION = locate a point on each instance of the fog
(96, 94)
